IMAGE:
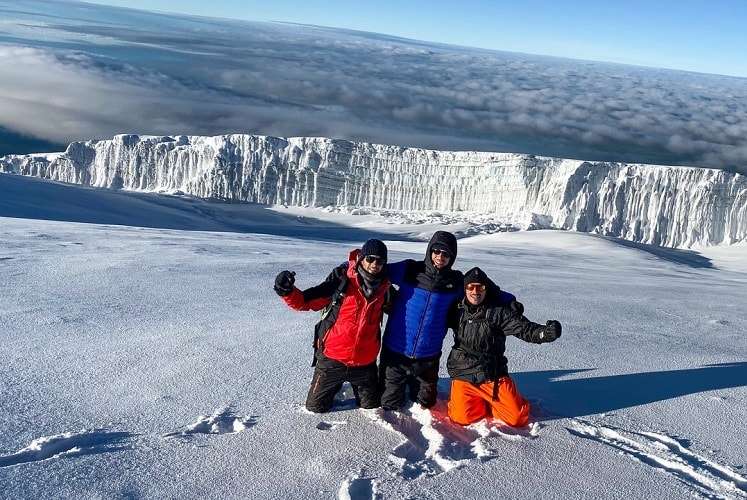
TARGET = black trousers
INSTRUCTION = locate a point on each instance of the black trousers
(398, 373)
(328, 378)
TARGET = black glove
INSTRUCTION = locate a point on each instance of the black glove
(284, 283)
(552, 331)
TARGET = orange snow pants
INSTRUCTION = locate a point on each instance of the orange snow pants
(469, 402)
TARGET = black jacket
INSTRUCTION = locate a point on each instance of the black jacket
(480, 337)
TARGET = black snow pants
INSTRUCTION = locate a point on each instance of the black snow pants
(398, 373)
(328, 378)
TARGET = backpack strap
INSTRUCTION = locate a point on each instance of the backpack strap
(329, 316)
(389, 297)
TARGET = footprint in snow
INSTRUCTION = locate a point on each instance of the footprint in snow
(222, 421)
(359, 487)
(329, 426)
(668, 454)
(719, 322)
(433, 445)
(68, 444)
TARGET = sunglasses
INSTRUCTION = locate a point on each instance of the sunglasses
(374, 258)
(475, 287)
(437, 251)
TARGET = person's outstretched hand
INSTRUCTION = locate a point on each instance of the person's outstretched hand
(284, 283)
(552, 331)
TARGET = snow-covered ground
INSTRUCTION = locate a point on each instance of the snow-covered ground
(144, 354)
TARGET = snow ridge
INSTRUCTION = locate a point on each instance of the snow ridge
(668, 454)
(68, 444)
(659, 205)
(359, 487)
(223, 421)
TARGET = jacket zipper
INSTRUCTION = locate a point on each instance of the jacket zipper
(420, 326)
(353, 355)
(363, 317)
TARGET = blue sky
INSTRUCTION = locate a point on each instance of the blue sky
(100, 70)
(692, 35)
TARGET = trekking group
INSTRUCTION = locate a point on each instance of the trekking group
(423, 300)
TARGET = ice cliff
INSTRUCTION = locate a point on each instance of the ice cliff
(660, 205)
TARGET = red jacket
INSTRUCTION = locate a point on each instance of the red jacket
(355, 338)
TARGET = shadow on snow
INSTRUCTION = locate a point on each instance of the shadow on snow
(587, 396)
(92, 442)
(30, 198)
(674, 255)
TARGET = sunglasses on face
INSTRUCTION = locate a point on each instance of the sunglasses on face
(475, 287)
(373, 258)
(436, 251)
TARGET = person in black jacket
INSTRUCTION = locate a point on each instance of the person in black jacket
(480, 384)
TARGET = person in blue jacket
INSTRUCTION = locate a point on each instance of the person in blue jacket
(417, 323)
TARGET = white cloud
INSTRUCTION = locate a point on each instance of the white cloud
(295, 80)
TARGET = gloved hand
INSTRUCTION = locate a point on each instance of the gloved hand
(284, 283)
(552, 331)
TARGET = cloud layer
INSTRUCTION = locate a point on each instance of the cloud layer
(102, 71)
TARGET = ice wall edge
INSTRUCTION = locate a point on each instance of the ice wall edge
(668, 206)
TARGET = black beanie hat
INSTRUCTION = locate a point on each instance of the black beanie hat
(476, 275)
(374, 247)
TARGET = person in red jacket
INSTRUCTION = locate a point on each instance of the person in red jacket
(348, 337)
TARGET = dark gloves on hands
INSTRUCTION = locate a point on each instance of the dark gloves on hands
(552, 331)
(284, 283)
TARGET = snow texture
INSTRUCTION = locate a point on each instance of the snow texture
(132, 314)
(663, 452)
(222, 421)
(67, 444)
(677, 207)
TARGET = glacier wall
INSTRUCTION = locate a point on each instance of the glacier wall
(660, 205)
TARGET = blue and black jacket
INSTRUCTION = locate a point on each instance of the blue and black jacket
(417, 323)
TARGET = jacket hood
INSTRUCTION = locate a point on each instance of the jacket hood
(353, 258)
(442, 239)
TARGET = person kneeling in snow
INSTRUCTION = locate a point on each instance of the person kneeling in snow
(417, 325)
(479, 370)
(347, 339)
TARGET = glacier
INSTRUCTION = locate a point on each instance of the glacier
(671, 206)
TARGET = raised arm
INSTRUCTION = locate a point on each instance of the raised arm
(311, 299)
(512, 322)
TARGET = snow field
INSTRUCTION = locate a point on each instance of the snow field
(169, 347)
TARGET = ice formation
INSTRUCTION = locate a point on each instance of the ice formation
(661, 205)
